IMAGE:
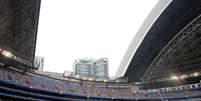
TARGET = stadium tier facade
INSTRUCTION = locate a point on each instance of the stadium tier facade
(18, 28)
(161, 64)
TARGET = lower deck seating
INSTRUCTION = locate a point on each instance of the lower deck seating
(57, 87)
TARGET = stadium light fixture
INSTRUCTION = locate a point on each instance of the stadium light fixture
(84, 78)
(90, 79)
(195, 74)
(183, 76)
(77, 76)
(174, 77)
(7, 54)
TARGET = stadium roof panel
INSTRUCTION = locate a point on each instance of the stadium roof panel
(174, 18)
(152, 17)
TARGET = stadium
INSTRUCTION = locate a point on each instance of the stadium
(162, 62)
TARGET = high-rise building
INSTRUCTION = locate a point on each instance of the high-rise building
(83, 68)
(101, 69)
(91, 69)
(39, 63)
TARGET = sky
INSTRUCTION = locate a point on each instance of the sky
(73, 29)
